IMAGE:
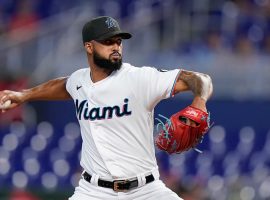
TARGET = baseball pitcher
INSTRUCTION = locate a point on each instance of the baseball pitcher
(115, 104)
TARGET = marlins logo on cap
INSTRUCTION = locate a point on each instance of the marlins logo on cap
(111, 23)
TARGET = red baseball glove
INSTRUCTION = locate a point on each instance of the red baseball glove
(177, 136)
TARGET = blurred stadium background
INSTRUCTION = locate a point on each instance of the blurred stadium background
(230, 40)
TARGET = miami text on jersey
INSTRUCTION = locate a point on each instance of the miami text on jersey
(98, 113)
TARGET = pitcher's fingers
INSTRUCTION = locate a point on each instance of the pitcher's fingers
(12, 105)
(4, 98)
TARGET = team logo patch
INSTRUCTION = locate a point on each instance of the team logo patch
(111, 23)
(162, 70)
(192, 113)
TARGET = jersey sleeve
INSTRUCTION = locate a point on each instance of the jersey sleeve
(71, 83)
(68, 85)
(155, 85)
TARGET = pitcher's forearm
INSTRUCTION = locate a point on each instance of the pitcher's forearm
(200, 84)
(52, 90)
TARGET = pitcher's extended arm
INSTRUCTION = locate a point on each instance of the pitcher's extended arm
(52, 90)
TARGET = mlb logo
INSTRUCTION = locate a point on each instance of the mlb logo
(111, 23)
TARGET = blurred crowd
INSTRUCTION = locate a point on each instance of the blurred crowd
(247, 28)
(207, 28)
(216, 35)
(16, 14)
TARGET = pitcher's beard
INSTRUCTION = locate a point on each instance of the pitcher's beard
(107, 63)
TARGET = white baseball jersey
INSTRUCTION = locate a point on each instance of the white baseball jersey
(116, 118)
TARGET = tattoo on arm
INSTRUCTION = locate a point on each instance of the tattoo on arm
(200, 84)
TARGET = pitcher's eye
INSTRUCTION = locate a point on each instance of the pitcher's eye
(119, 42)
(109, 42)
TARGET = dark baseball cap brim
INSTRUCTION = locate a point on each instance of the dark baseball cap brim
(123, 35)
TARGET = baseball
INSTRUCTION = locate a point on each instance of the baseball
(5, 105)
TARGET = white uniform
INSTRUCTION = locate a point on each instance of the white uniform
(116, 120)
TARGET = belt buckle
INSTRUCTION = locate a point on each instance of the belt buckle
(116, 185)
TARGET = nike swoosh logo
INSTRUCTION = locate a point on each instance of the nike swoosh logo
(78, 87)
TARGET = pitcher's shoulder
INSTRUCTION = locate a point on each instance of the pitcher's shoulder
(80, 72)
(131, 68)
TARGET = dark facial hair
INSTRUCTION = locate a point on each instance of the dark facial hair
(107, 63)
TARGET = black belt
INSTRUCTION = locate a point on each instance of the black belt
(118, 185)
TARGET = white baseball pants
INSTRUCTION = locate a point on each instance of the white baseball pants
(155, 190)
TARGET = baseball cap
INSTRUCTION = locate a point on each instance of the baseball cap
(101, 28)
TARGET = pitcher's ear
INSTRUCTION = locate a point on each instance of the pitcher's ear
(88, 47)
